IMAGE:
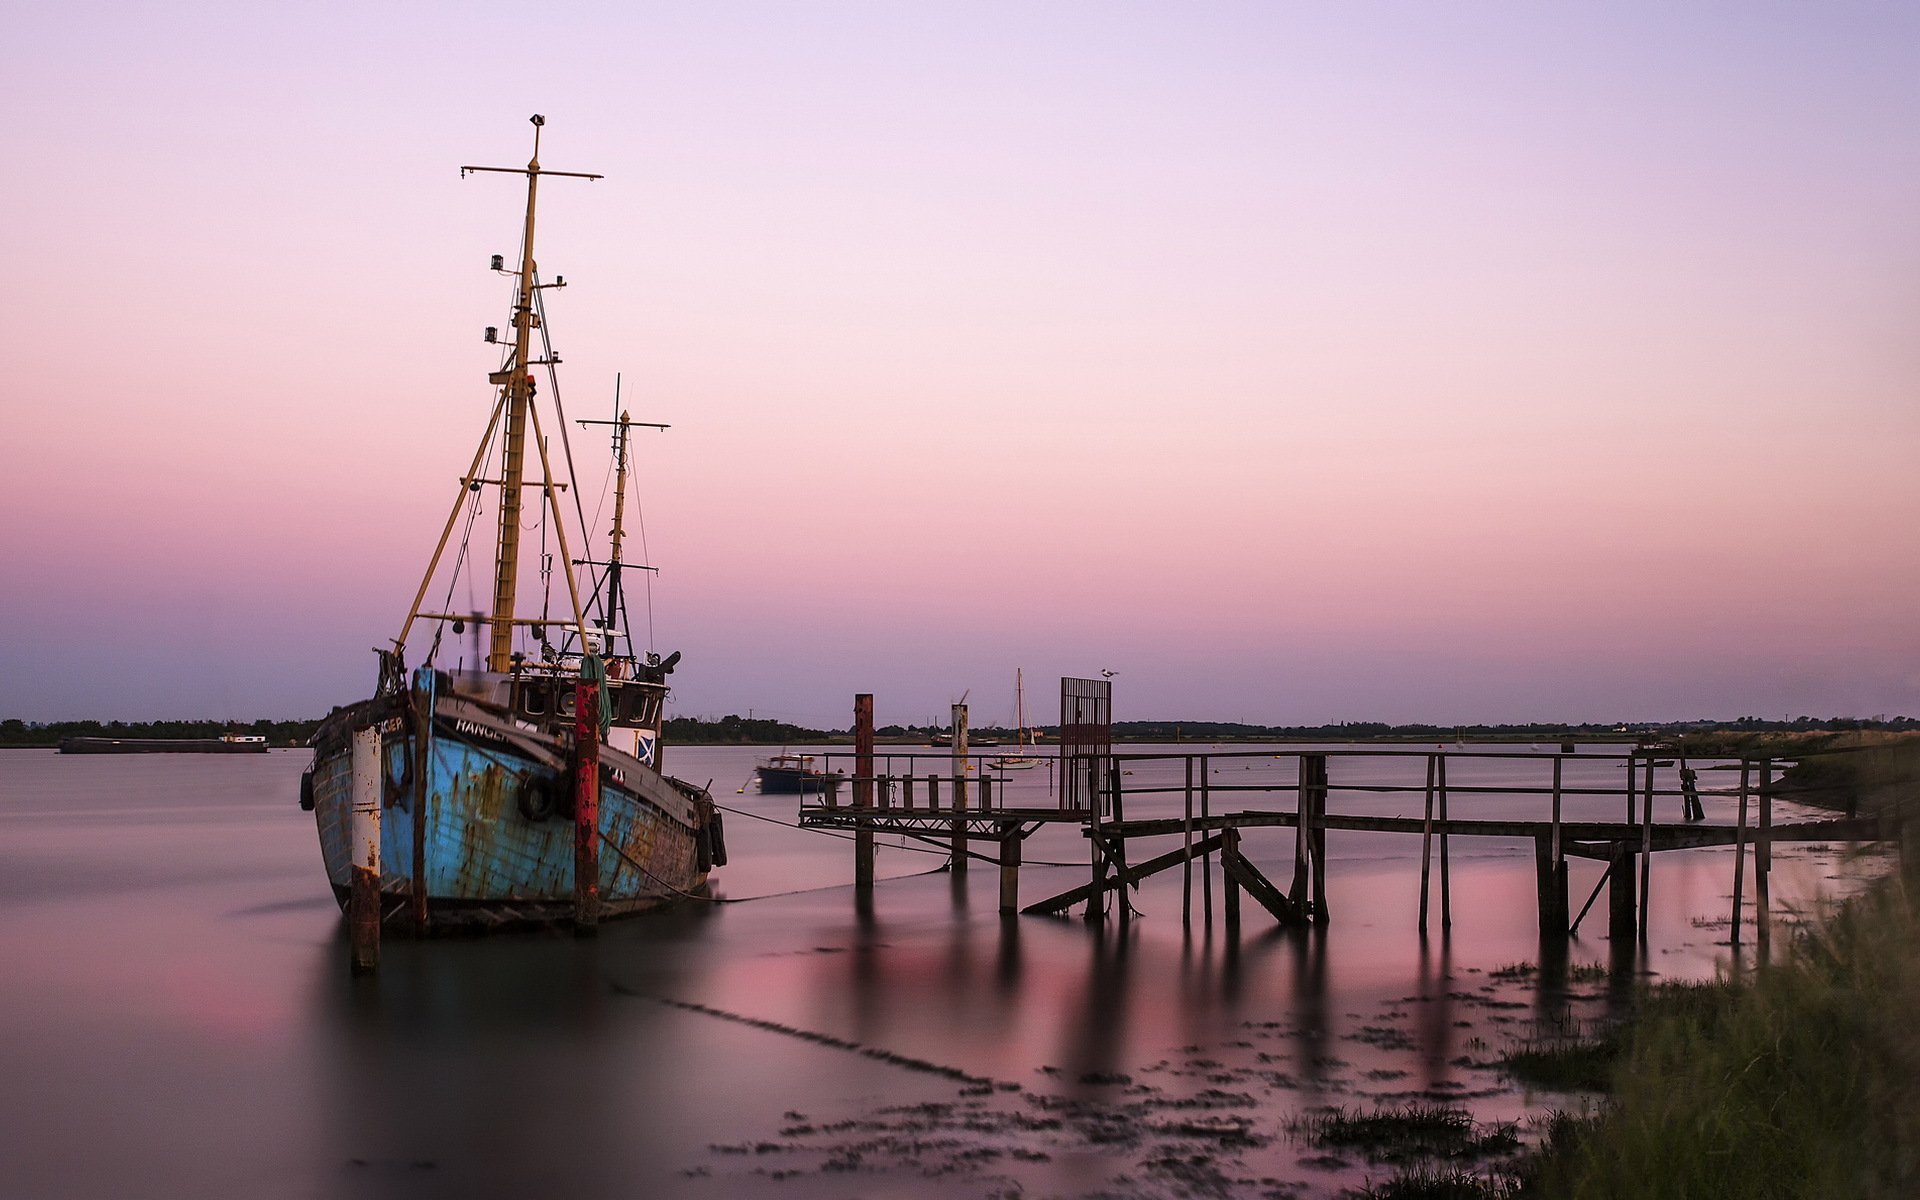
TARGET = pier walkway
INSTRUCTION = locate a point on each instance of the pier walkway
(957, 800)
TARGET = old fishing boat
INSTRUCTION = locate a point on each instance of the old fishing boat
(523, 784)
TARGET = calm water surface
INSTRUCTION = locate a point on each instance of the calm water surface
(180, 1021)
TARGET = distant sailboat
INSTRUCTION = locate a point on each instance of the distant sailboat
(1019, 760)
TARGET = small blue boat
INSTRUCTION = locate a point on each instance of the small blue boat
(495, 804)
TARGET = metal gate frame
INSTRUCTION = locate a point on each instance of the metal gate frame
(1086, 744)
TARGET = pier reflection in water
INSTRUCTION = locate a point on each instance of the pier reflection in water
(181, 1023)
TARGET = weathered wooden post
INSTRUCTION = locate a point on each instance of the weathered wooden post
(1426, 844)
(363, 897)
(1763, 863)
(1322, 785)
(1446, 878)
(586, 796)
(1740, 851)
(1620, 892)
(1206, 860)
(423, 705)
(1230, 845)
(1555, 897)
(1646, 851)
(959, 787)
(863, 790)
(1302, 833)
(1186, 846)
(1096, 848)
(1009, 866)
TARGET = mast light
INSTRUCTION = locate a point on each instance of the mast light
(492, 334)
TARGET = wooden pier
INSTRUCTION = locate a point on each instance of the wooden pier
(951, 802)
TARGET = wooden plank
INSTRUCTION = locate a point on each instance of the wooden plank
(1269, 897)
(1132, 877)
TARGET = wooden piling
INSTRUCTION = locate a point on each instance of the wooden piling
(1426, 847)
(960, 788)
(1186, 845)
(586, 797)
(1646, 851)
(1206, 860)
(1740, 851)
(1620, 893)
(863, 750)
(1315, 783)
(1231, 846)
(1557, 857)
(1446, 880)
(1763, 864)
(363, 898)
(1009, 866)
(423, 703)
(1297, 891)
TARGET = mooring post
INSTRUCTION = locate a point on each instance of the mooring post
(423, 705)
(1322, 785)
(960, 787)
(1097, 886)
(1558, 857)
(1009, 866)
(1646, 851)
(1186, 846)
(1230, 845)
(1763, 863)
(1446, 880)
(363, 897)
(1740, 851)
(1302, 834)
(1206, 860)
(1620, 892)
(1544, 878)
(1426, 846)
(863, 790)
(863, 750)
(586, 797)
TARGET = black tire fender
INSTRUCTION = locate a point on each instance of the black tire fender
(538, 798)
(717, 837)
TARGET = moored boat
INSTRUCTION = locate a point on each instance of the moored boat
(497, 802)
(232, 743)
(790, 773)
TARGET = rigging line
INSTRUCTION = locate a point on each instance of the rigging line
(560, 411)
(615, 847)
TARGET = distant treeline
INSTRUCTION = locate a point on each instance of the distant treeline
(690, 731)
(735, 729)
(33, 733)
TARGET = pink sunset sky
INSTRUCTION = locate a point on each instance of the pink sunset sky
(1298, 362)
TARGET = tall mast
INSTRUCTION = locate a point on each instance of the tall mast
(615, 613)
(506, 561)
(517, 381)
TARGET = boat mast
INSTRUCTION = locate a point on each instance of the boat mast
(615, 612)
(506, 562)
(518, 382)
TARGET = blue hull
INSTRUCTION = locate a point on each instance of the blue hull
(499, 831)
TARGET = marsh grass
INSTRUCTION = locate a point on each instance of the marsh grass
(1407, 1134)
(1566, 1064)
(1803, 1083)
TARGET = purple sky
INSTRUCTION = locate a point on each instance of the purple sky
(1297, 362)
